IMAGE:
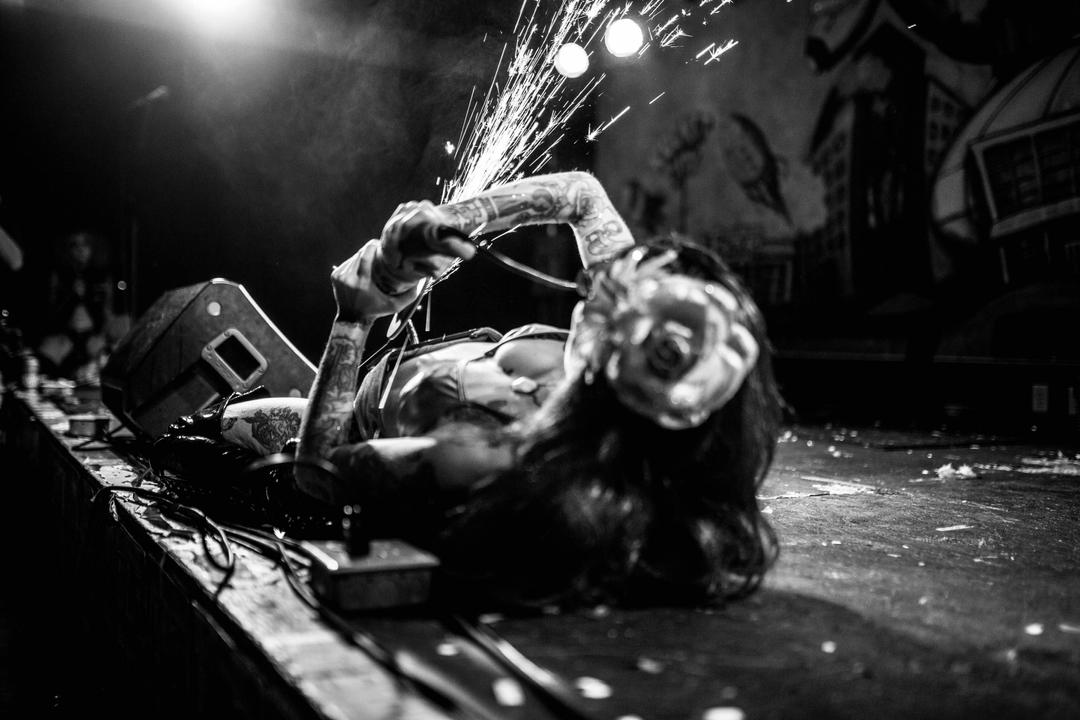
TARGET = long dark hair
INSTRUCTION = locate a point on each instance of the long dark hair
(606, 506)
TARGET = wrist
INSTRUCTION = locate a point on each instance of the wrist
(349, 322)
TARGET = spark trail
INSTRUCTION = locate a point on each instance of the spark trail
(514, 127)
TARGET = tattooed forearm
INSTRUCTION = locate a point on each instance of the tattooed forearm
(275, 428)
(469, 216)
(329, 410)
(575, 198)
(603, 240)
(263, 426)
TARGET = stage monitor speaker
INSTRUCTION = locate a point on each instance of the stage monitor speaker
(192, 347)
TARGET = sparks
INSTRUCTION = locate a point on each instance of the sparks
(673, 36)
(715, 54)
(722, 4)
(593, 134)
(504, 134)
(661, 28)
(651, 8)
(513, 128)
(593, 11)
(657, 97)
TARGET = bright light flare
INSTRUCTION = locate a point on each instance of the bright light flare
(572, 61)
(623, 37)
(220, 16)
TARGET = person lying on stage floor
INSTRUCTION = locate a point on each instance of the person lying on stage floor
(618, 461)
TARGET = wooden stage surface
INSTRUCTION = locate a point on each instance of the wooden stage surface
(923, 575)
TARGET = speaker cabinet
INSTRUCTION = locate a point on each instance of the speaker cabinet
(192, 347)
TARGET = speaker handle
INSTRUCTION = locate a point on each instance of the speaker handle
(212, 354)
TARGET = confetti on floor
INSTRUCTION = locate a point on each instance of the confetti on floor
(592, 688)
(508, 692)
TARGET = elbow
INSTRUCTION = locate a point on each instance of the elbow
(585, 179)
(586, 195)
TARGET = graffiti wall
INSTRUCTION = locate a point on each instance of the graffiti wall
(892, 179)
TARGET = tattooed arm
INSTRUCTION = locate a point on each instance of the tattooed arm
(263, 426)
(575, 198)
(328, 413)
(325, 424)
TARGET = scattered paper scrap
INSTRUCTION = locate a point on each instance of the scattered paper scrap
(593, 688)
(508, 692)
(724, 713)
(953, 528)
(649, 665)
(948, 471)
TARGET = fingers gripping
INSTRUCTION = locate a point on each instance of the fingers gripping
(418, 240)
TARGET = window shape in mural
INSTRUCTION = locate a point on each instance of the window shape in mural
(1034, 170)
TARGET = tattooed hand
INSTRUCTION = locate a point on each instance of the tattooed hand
(355, 291)
(418, 241)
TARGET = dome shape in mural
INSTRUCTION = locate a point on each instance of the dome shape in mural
(1017, 161)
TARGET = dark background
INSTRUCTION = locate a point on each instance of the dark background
(284, 143)
(271, 157)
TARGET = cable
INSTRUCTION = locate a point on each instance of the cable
(552, 691)
(404, 667)
(409, 311)
(277, 548)
(186, 513)
(526, 271)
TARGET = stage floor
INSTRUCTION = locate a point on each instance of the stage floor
(922, 575)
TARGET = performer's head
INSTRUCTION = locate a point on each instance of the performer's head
(672, 339)
(638, 478)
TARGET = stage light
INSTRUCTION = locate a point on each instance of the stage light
(623, 37)
(220, 16)
(571, 61)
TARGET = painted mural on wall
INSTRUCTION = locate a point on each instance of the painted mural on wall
(889, 177)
